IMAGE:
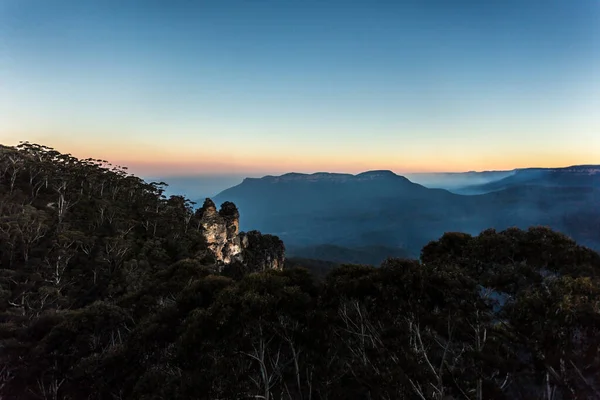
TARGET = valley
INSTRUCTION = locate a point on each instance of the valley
(380, 208)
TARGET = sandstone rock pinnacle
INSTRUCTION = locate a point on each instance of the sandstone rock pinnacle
(221, 232)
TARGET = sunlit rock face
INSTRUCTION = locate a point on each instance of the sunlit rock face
(221, 232)
(214, 230)
(231, 217)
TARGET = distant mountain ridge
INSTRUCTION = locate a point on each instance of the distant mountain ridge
(457, 180)
(572, 176)
(515, 176)
(329, 176)
(385, 210)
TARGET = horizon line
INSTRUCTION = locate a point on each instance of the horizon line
(226, 174)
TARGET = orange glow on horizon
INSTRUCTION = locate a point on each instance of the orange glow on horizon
(142, 158)
(172, 168)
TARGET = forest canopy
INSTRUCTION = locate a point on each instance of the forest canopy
(108, 291)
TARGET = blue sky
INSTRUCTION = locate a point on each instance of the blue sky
(188, 87)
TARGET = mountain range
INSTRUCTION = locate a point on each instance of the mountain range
(379, 212)
(574, 176)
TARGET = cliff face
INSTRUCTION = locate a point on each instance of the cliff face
(221, 232)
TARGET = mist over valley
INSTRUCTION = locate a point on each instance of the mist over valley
(376, 214)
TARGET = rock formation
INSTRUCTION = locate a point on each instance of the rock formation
(221, 232)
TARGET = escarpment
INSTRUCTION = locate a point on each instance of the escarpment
(220, 229)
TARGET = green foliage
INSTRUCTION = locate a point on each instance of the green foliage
(107, 291)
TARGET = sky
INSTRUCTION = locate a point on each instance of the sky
(182, 87)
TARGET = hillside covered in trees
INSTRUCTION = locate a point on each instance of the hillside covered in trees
(109, 290)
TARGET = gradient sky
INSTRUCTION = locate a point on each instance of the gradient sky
(259, 86)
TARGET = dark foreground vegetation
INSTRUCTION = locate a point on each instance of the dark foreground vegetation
(108, 291)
